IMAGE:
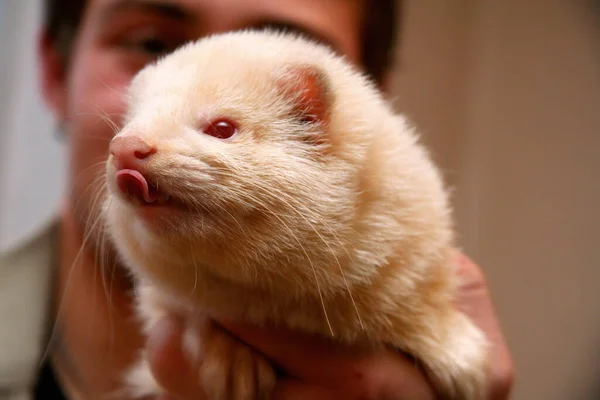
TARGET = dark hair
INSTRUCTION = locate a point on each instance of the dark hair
(379, 31)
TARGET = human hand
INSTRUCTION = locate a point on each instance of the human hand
(320, 370)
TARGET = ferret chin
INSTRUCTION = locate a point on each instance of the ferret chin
(260, 176)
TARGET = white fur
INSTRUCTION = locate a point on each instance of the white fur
(352, 237)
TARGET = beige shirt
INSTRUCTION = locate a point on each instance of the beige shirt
(25, 299)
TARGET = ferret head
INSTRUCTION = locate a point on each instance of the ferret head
(241, 158)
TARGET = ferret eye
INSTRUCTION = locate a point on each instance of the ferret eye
(221, 129)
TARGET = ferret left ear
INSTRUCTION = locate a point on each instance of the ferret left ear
(307, 89)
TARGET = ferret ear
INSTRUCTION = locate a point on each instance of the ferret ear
(307, 89)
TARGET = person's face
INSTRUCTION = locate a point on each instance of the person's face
(116, 39)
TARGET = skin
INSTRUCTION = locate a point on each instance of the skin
(95, 327)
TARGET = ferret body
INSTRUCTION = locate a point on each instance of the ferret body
(261, 177)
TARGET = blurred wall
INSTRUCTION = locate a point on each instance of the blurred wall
(32, 160)
(508, 96)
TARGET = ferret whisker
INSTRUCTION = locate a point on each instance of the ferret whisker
(98, 191)
(99, 247)
(307, 211)
(195, 268)
(265, 208)
(314, 272)
(309, 259)
(197, 206)
(91, 186)
(68, 282)
(332, 232)
(339, 264)
(104, 257)
(107, 278)
(302, 215)
(97, 164)
(112, 89)
(221, 207)
(113, 125)
(110, 291)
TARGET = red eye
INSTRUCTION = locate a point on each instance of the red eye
(221, 129)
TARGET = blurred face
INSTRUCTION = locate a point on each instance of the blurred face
(115, 40)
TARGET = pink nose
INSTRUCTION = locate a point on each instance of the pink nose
(130, 152)
(129, 156)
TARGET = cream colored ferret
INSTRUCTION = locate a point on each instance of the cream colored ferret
(261, 177)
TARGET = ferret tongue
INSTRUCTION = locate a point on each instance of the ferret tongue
(133, 183)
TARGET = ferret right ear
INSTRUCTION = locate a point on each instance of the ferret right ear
(306, 88)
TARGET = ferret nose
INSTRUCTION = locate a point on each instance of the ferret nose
(130, 152)
(129, 156)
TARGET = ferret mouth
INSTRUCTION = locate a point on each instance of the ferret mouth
(141, 191)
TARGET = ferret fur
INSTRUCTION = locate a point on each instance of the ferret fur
(337, 224)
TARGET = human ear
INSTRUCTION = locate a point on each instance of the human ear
(52, 72)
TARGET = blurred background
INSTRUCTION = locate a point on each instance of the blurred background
(507, 95)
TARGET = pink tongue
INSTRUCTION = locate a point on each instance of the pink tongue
(133, 183)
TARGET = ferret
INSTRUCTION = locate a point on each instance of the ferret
(261, 177)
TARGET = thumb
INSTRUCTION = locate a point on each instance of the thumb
(170, 363)
(474, 299)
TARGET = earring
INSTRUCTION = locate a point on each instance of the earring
(61, 131)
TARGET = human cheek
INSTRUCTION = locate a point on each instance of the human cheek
(96, 108)
(97, 102)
